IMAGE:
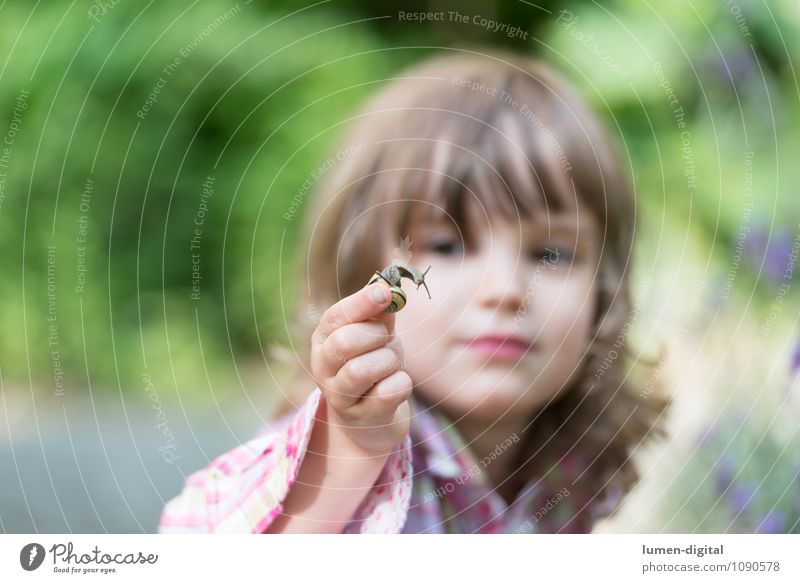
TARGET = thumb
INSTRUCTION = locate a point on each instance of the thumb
(388, 320)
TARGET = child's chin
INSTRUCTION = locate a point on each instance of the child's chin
(491, 405)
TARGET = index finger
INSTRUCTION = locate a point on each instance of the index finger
(356, 307)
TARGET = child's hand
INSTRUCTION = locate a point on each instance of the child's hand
(356, 361)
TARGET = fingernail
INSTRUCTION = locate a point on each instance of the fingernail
(378, 294)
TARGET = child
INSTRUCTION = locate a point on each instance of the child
(492, 406)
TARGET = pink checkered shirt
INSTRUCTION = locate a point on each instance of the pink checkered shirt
(431, 483)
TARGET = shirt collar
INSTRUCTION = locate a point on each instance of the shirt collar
(440, 443)
(447, 457)
(446, 453)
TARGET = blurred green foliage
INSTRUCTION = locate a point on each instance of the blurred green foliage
(741, 476)
(257, 104)
(252, 105)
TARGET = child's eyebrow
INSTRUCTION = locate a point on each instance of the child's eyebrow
(555, 225)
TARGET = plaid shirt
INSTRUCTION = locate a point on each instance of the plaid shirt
(431, 483)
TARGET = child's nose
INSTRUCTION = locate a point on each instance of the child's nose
(503, 285)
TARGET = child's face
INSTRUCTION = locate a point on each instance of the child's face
(513, 280)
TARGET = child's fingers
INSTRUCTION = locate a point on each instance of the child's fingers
(359, 374)
(387, 318)
(387, 394)
(351, 341)
(365, 303)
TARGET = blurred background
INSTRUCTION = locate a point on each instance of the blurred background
(149, 155)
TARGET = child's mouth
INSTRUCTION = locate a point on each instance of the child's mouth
(500, 347)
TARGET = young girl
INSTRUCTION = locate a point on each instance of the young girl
(505, 402)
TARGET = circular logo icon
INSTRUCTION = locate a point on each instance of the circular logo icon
(31, 556)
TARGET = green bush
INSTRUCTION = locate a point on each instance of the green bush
(250, 99)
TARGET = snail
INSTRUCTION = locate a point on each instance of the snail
(392, 275)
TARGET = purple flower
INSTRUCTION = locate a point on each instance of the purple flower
(794, 365)
(724, 472)
(736, 65)
(773, 249)
(756, 244)
(778, 255)
(772, 523)
(740, 496)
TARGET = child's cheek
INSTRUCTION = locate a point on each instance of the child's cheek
(568, 305)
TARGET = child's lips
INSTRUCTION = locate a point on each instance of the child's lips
(500, 347)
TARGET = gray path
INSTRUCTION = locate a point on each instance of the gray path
(102, 473)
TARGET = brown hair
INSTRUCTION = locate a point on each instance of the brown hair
(448, 130)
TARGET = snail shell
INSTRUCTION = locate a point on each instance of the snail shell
(399, 298)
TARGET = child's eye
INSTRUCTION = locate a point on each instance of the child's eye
(554, 254)
(444, 247)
